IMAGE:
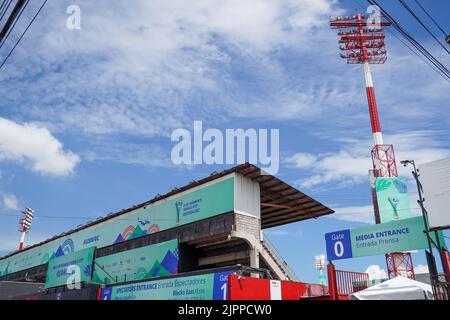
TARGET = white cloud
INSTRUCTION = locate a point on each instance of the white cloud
(169, 62)
(376, 272)
(34, 145)
(302, 160)
(421, 269)
(165, 64)
(10, 201)
(351, 164)
(363, 214)
(331, 167)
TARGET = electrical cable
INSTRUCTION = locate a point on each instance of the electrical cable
(12, 17)
(6, 9)
(3, 41)
(445, 72)
(429, 16)
(2, 7)
(23, 34)
(413, 41)
(154, 219)
(410, 49)
(422, 24)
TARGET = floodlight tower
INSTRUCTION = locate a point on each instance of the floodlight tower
(25, 224)
(362, 41)
(319, 261)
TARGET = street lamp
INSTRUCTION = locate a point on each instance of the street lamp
(431, 264)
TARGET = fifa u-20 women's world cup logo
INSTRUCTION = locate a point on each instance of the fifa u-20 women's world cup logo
(394, 203)
(179, 206)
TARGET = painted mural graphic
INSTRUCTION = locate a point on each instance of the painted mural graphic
(393, 199)
(208, 201)
(137, 264)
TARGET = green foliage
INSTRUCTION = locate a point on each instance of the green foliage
(383, 184)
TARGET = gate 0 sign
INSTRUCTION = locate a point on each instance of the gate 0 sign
(402, 235)
(339, 245)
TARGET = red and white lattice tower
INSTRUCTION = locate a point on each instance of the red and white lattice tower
(400, 264)
(361, 39)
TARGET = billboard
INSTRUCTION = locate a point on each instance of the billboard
(197, 204)
(70, 269)
(210, 286)
(392, 198)
(394, 236)
(435, 179)
(156, 260)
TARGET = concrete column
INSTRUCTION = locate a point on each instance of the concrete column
(254, 260)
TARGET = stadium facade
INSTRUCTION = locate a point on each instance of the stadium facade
(186, 244)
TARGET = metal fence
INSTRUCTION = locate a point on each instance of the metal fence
(349, 282)
(268, 245)
(441, 287)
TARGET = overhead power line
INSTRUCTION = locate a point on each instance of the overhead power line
(439, 66)
(5, 9)
(118, 218)
(3, 40)
(422, 24)
(15, 13)
(431, 18)
(417, 54)
(409, 48)
(23, 34)
(3, 6)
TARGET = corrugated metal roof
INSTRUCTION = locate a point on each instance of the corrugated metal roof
(280, 202)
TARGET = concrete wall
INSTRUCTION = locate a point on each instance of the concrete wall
(249, 225)
(8, 290)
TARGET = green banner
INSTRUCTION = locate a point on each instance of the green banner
(70, 269)
(392, 198)
(142, 263)
(210, 286)
(205, 202)
(394, 236)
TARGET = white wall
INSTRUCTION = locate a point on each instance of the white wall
(247, 198)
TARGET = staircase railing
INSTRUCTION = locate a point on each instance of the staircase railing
(278, 258)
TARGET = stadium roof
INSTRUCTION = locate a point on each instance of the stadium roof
(280, 202)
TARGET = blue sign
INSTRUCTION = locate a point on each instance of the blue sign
(106, 294)
(339, 245)
(394, 236)
(220, 288)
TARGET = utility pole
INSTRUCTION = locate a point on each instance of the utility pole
(434, 277)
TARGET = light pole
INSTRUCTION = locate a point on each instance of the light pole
(431, 268)
(25, 224)
(320, 265)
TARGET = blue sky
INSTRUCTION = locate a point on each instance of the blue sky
(86, 115)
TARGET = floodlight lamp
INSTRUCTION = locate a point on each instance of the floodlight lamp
(405, 162)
